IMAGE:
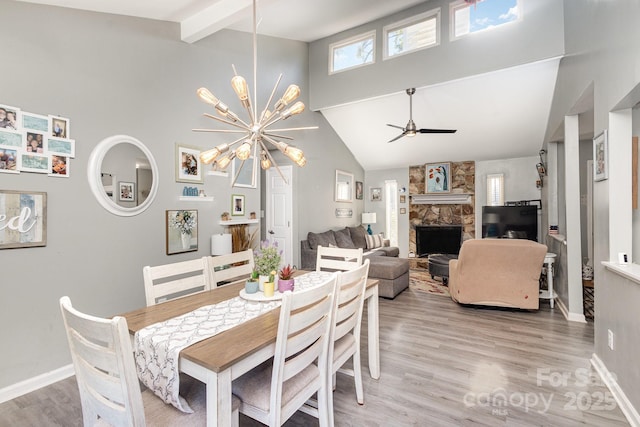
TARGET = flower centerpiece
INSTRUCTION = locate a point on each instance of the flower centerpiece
(286, 278)
(267, 259)
(184, 221)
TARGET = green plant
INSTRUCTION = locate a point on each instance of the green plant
(255, 275)
(272, 277)
(267, 258)
(286, 273)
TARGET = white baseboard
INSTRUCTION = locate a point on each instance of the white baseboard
(618, 394)
(572, 317)
(35, 383)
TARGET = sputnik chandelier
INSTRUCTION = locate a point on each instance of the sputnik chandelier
(257, 130)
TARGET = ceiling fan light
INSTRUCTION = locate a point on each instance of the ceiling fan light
(244, 151)
(410, 133)
(296, 108)
(294, 153)
(239, 85)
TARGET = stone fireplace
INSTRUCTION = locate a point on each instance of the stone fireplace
(442, 211)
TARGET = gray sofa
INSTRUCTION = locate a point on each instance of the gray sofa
(392, 272)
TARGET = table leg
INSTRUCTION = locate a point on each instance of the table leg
(219, 398)
(373, 329)
(550, 283)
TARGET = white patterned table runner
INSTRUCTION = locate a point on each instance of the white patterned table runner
(157, 347)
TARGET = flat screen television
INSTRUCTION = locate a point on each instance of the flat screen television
(438, 239)
(519, 222)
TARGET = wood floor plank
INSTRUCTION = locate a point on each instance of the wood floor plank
(442, 364)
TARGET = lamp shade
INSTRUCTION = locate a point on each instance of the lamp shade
(368, 217)
(221, 244)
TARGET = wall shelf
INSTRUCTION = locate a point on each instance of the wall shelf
(240, 221)
(195, 199)
(218, 173)
(441, 199)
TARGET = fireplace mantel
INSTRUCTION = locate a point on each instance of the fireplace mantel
(441, 199)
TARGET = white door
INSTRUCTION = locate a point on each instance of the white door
(279, 211)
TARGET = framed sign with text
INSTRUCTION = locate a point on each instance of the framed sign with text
(23, 219)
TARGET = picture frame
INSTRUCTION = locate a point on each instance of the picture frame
(33, 162)
(344, 186)
(59, 166)
(61, 146)
(403, 198)
(244, 173)
(344, 213)
(36, 122)
(375, 194)
(437, 178)
(10, 159)
(403, 211)
(59, 127)
(181, 231)
(601, 157)
(126, 191)
(10, 117)
(359, 190)
(237, 205)
(35, 142)
(31, 231)
(188, 165)
(11, 138)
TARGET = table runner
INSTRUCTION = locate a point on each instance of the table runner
(157, 347)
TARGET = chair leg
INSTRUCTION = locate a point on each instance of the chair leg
(357, 375)
(235, 418)
(325, 405)
(333, 381)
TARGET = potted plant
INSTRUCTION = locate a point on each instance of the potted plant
(251, 286)
(267, 259)
(285, 282)
(269, 285)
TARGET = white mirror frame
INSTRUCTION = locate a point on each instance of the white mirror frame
(94, 170)
(339, 197)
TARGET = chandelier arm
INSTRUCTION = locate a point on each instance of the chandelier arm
(292, 129)
(273, 135)
(273, 92)
(235, 178)
(273, 162)
(219, 130)
(272, 120)
(243, 125)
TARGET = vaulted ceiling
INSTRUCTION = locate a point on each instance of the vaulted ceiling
(501, 114)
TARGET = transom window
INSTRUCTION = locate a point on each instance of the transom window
(473, 16)
(352, 53)
(415, 33)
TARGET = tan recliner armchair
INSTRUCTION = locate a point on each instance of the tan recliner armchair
(497, 272)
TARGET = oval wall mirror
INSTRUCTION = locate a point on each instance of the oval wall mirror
(123, 175)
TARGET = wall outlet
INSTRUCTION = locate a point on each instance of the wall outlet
(610, 338)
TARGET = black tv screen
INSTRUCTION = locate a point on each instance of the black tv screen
(438, 239)
(515, 222)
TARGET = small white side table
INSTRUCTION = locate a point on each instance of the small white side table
(549, 294)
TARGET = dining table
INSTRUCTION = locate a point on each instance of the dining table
(219, 359)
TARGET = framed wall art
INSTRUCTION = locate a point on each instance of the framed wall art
(10, 160)
(376, 194)
(59, 166)
(182, 231)
(244, 172)
(359, 190)
(35, 122)
(438, 178)
(10, 117)
(237, 205)
(23, 219)
(403, 198)
(600, 157)
(126, 191)
(188, 166)
(59, 127)
(33, 162)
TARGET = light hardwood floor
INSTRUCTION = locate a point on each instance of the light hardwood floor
(442, 364)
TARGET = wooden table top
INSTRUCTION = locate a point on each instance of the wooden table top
(224, 349)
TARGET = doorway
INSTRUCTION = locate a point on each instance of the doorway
(279, 211)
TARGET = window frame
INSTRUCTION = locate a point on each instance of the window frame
(346, 42)
(499, 178)
(459, 4)
(407, 22)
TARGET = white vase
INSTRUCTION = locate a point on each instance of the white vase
(186, 240)
(261, 280)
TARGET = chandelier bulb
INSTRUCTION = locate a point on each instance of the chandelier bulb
(224, 162)
(239, 85)
(265, 163)
(244, 151)
(206, 95)
(209, 156)
(296, 108)
(301, 162)
(294, 153)
(292, 92)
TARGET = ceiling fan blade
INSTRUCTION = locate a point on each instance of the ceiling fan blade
(437, 130)
(395, 126)
(397, 137)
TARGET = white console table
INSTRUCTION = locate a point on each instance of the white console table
(549, 294)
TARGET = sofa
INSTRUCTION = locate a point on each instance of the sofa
(497, 272)
(392, 272)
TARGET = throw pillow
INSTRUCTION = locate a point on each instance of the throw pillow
(343, 238)
(358, 236)
(374, 241)
(321, 239)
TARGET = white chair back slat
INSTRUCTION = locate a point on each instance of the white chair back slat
(338, 259)
(229, 267)
(169, 281)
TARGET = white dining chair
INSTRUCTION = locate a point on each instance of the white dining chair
(338, 259)
(230, 267)
(275, 390)
(344, 343)
(169, 281)
(106, 376)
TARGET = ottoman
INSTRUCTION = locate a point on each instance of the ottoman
(391, 272)
(439, 265)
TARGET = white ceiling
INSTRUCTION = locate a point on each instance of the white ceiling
(502, 114)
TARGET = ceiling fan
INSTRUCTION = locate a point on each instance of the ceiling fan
(410, 129)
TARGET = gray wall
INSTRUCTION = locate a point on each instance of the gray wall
(119, 75)
(503, 47)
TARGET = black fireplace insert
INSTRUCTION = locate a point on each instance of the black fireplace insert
(438, 239)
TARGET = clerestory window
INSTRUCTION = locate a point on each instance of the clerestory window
(352, 53)
(471, 16)
(412, 34)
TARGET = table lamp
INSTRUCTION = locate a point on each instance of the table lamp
(369, 218)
